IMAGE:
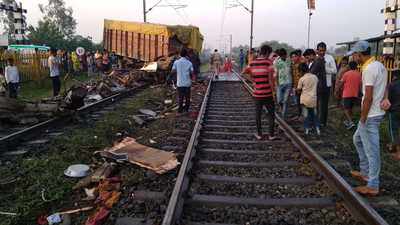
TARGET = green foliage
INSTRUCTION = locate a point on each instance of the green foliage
(57, 29)
(7, 18)
(277, 45)
(47, 33)
(56, 12)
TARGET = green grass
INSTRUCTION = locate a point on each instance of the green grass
(36, 90)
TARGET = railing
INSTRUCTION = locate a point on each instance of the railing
(30, 66)
(390, 63)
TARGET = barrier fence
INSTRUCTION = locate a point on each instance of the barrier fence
(31, 67)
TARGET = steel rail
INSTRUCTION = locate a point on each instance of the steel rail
(36, 129)
(175, 205)
(357, 206)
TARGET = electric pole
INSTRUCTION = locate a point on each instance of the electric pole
(230, 43)
(144, 12)
(309, 29)
(252, 24)
(237, 3)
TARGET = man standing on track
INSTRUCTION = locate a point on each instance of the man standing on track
(284, 80)
(324, 89)
(295, 58)
(366, 138)
(184, 68)
(242, 59)
(261, 70)
(216, 62)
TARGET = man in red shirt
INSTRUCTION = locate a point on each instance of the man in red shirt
(351, 83)
(261, 70)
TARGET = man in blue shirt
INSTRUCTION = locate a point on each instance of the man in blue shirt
(184, 68)
(242, 57)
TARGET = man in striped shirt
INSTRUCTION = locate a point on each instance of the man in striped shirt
(261, 70)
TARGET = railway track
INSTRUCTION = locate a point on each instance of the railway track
(228, 178)
(54, 127)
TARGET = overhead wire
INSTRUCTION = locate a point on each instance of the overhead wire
(177, 12)
(184, 11)
(221, 32)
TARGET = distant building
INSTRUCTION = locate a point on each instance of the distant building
(392, 24)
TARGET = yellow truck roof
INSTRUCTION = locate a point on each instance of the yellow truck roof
(188, 35)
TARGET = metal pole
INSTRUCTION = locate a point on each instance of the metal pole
(252, 23)
(309, 29)
(144, 11)
(230, 51)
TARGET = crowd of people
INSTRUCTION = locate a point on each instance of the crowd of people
(310, 78)
(59, 63)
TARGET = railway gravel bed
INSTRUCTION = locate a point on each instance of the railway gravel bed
(229, 177)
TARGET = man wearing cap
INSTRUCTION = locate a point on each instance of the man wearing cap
(366, 138)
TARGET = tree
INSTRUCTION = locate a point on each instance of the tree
(56, 12)
(57, 29)
(236, 51)
(47, 33)
(7, 18)
(278, 45)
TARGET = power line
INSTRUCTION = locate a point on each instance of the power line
(176, 7)
(185, 13)
(223, 15)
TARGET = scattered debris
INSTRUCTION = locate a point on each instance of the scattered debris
(150, 67)
(153, 159)
(8, 214)
(21, 112)
(99, 217)
(73, 211)
(152, 141)
(148, 112)
(138, 120)
(53, 219)
(90, 194)
(43, 195)
(102, 173)
(77, 171)
(168, 102)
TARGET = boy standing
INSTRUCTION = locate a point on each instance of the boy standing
(284, 79)
(394, 114)
(12, 78)
(307, 86)
(351, 82)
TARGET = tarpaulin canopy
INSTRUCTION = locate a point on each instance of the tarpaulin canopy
(187, 35)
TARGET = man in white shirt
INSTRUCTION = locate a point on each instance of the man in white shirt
(12, 78)
(184, 68)
(54, 67)
(366, 138)
(330, 72)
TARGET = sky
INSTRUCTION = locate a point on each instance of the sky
(283, 20)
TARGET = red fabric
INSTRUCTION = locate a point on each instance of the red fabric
(351, 84)
(99, 217)
(228, 66)
(261, 69)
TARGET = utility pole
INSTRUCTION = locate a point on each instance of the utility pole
(144, 12)
(252, 24)
(237, 3)
(309, 29)
(230, 50)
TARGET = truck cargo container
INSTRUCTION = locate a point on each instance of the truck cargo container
(149, 42)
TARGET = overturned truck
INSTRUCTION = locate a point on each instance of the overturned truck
(149, 42)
